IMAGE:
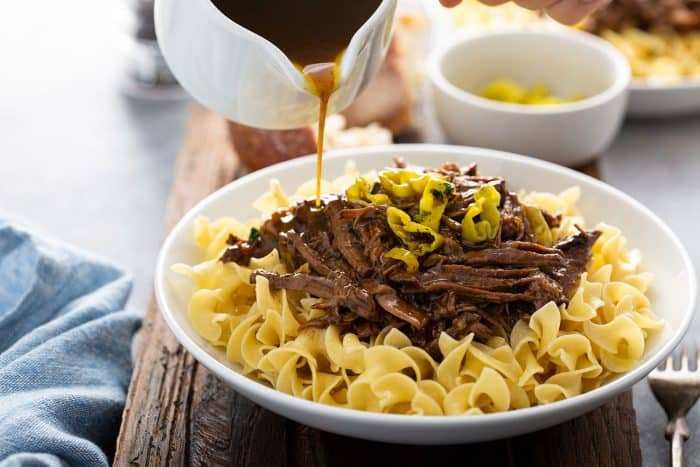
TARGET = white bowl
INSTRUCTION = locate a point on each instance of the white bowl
(569, 62)
(672, 299)
(664, 100)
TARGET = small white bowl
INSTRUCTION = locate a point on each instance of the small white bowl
(672, 298)
(570, 63)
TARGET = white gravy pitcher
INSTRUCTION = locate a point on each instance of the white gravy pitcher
(245, 77)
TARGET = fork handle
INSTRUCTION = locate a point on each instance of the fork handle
(677, 432)
(677, 449)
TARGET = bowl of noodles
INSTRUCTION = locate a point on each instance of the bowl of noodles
(434, 295)
(660, 40)
(665, 68)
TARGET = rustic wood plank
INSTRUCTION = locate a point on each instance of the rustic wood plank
(345, 452)
(226, 428)
(591, 168)
(179, 414)
(155, 428)
(607, 436)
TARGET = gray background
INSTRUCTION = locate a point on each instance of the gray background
(85, 164)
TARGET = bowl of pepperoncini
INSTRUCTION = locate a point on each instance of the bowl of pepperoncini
(559, 95)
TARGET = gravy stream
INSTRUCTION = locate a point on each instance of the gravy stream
(322, 78)
(313, 34)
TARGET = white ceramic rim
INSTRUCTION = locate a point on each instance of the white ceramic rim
(269, 394)
(282, 58)
(642, 85)
(619, 85)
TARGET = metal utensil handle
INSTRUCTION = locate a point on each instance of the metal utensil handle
(677, 433)
(677, 449)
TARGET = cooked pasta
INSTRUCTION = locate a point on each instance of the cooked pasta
(656, 55)
(560, 352)
(472, 14)
(664, 57)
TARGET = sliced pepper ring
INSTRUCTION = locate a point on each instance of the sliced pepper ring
(485, 206)
(420, 239)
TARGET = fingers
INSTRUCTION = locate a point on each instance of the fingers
(536, 4)
(563, 11)
(494, 2)
(573, 11)
(450, 3)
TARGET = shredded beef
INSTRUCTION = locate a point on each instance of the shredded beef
(388, 299)
(577, 252)
(338, 290)
(295, 250)
(461, 288)
(345, 239)
(509, 256)
(678, 15)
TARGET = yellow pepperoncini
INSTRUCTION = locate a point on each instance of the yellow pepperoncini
(433, 202)
(485, 205)
(420, 239)
(402, 254)
(403, 183)
(506, 90)
(361, 192)
(539, 226)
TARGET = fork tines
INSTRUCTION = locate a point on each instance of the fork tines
(681, 360)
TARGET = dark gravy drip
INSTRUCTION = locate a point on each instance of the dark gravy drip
(313, 34)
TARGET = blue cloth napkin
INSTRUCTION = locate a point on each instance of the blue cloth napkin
(65, 359)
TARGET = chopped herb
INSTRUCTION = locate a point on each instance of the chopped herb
(437, 194)
(254, 235)
(421, 216)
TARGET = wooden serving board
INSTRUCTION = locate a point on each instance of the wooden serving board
(179, 414)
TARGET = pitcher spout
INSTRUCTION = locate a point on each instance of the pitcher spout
(374, 34)
(248, 79)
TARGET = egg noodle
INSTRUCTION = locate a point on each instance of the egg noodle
(472, 14)
(560, 352)
(654, 56)
(659, 56)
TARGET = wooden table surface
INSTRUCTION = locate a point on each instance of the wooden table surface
(179, 414)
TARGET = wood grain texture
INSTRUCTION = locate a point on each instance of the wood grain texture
(591, 168)
(179, 414)
(156, 423)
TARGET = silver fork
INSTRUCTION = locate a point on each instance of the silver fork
(677, 390)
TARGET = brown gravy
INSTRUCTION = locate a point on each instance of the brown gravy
(313, 34)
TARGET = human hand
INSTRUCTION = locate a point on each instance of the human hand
(563, 11)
